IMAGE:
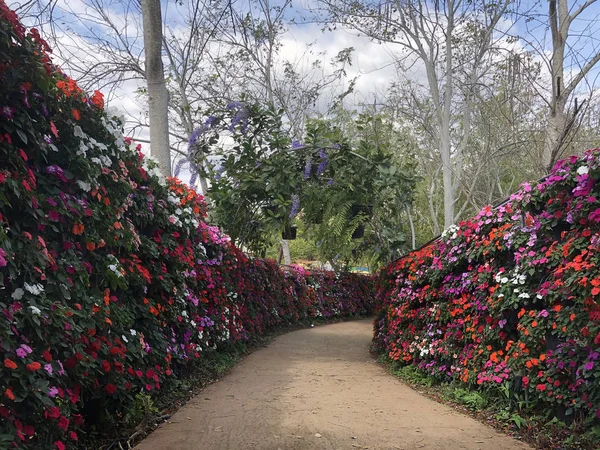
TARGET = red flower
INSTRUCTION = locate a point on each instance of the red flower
(73, 436)
(541, 387)
(34, 366)
(9, 394)
(110, 389)
(59, 445)
(53, 412)
(10, 364)
(47, 355)
(63, 423)
(106, 366)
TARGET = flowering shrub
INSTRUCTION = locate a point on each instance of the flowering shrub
(509, 299)
(111, 283)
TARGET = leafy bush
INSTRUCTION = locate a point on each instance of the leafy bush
(509, 296)
(111, 282)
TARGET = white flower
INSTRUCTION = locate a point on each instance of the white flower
(583, 170)
(18, 294)
(524, 295)
(133, 332)
(77, 131)
(35, 310)
(35, 289)
(504, 280)
(84, 186)
(124, 338)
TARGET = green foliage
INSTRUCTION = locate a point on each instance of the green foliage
(472, 399)
(338, 181)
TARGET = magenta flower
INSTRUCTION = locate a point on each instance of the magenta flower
(3, 261)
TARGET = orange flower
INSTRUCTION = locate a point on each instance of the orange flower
(8, 393)
(542, 357)
(572, 317)
(76, 114)
(78, 229)
(107, 297)
(557, 308)
(534, 324)
(90, 246)
(10, 364)
(34, 366)
(98, 99)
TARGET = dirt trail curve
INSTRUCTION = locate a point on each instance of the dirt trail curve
(319, 389)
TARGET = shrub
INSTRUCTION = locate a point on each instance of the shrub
(511, 294)
(112, 283)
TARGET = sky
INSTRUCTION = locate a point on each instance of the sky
(372, 62)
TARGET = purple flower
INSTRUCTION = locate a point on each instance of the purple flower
(241, 116)
(7, 112)
(56, 171)
(307, 169)
(589, 365)
(296, 144)
(53, 392)
(321, 168)
(178, 166)
(295, 205)
(48, 368)
(23, 351)
(501, 323)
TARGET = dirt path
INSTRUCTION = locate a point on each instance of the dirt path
(319, 389)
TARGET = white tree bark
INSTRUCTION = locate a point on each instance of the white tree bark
(285, 248)
(158, 96)
(560, 120)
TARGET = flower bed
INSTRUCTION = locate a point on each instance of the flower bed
(509, 299)
(111, 283)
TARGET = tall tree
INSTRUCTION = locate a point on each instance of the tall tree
(158, 96)
(563, 105)
(451, 41)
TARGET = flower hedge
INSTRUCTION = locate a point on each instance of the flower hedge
(509, 299)
(111, 283)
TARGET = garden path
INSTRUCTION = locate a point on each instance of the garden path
(319, 388)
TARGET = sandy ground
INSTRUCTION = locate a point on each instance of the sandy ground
(319, 388)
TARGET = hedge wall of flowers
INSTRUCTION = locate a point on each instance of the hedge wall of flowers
(509, 299)
(110, 281)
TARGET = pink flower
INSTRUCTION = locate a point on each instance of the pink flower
(59, 445)
(595, 215)
(3, 261)
(53, 392)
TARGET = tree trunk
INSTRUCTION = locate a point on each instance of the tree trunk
(413, 237)
(158, 96)
(555, 134)
(285, 248)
